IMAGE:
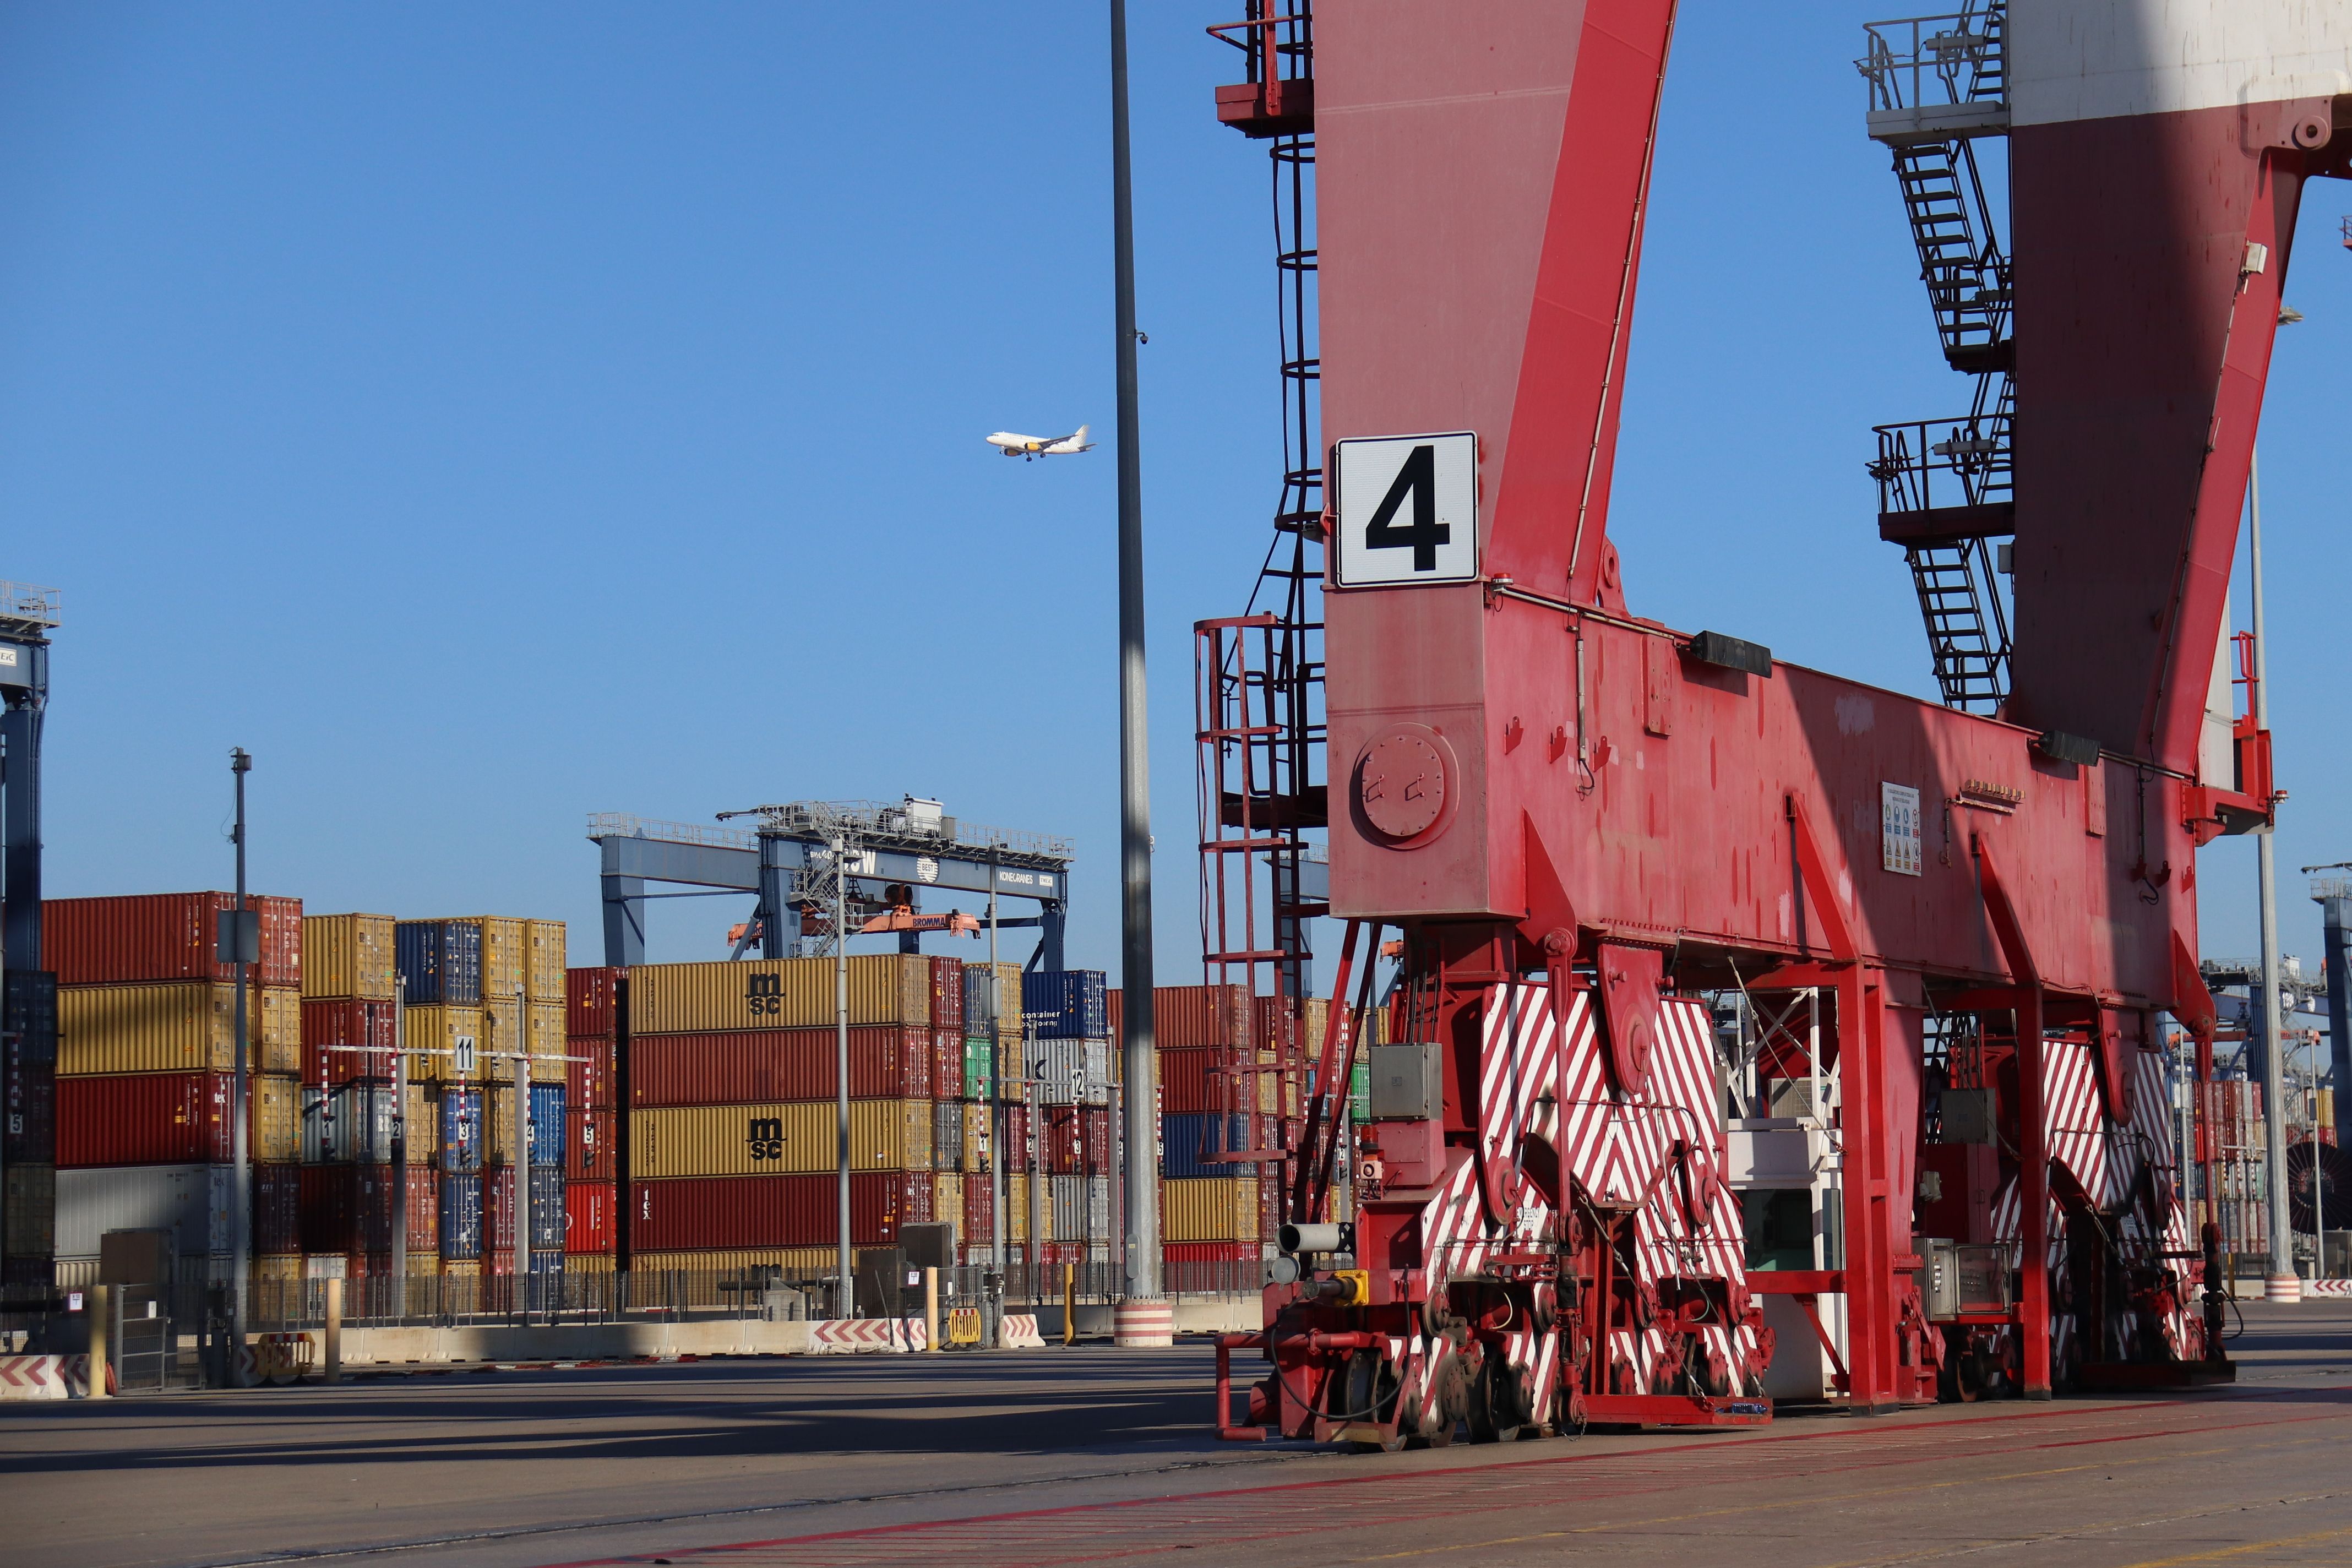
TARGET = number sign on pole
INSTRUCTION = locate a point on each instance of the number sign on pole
(1405, 509)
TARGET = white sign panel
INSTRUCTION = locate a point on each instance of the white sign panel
(1898, 828)
(464, 1056)
(1406, 510)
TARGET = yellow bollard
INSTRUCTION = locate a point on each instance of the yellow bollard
(334, 1330)
(1069, 1303)
(100, 1300)
(930, 1308)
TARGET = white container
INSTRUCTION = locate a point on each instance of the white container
(193, 1202)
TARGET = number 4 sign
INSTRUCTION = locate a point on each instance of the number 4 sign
(1405, 509)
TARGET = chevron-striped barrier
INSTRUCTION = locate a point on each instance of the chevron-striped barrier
(1018, 1332)
(2327, 1287)
(33, 1377)
(843, 1336)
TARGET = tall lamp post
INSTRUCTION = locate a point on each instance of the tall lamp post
(241, 945)
(1135, 1041)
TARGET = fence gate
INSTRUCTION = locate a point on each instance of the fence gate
(144, 1348)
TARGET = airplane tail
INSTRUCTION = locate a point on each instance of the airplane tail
(1081, 436)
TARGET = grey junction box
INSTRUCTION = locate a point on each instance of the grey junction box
(1405, 1083)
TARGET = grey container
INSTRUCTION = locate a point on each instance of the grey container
(947, 1135)
(191, 1202)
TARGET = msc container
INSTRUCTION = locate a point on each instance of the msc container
(348, 957)
(330, 1025)
(1064, 1004)
(744, 1067)
(588, 1078)
(193, 1202)
(439, 962)
(696, 1213)
(589, 996)
(947, 1135)
(775, 993)
(175, 1026)
(461, 1129)
(588, 1216)
(461, 1219)
(28, 1210)
(1209, 1208)
(793, 1136)
(947, 993)
(164, 936)
(171, 1119)
(544, 1043)
(547, 1209)
(433, 1033)
(543, 944)
(588, 1153)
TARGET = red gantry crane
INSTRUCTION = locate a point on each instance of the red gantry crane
(1949, 936)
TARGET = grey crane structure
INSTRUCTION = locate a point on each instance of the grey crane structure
(912, 844)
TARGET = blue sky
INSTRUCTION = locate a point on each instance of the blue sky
(488, 415)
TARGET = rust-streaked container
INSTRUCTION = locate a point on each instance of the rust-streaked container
(175, 1026)
(329, 1024)
(1209, 1208)
(776, 994)
(795, 1136)
(439, 1028)
(947, 993)
(163, 936)
(699, 1214)
(347, 956)
(173, 1119)
(749, 1066)
(589, 996)
(543, 948)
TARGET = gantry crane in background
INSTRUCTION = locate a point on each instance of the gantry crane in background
(1640, 878)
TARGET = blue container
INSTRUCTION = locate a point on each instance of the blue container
(461, 1219)
(979, 999)
(440, 962)
(1185, 1137)
(544, 1262)
(1064, 1004)
(547, 1126)
(461, 1129)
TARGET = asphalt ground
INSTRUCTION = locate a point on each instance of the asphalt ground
(1094, 1454)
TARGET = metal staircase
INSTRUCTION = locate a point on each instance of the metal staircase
(1937, 85)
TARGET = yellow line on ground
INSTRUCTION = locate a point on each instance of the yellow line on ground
(2219, 1552)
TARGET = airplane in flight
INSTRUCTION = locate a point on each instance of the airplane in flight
(1027, 446)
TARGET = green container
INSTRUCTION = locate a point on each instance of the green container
(1360, 1092)
(975, 1067)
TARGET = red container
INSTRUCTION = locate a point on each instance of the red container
(588, 1002)
(327, 1024)
(145, 1119)
(698, 1213)
(163, 936)
(747, 1067)
(1020, 1148)
(1095, 1121)
(588, 1149)
(277, 1208)
(348, 1208)
(947, 1064)
(946, 996)
(1184, 1085)
(1189, 1017)
(1212, 1252)
(1077, 1140)
(1274, 1023)
(588, 1216)
(979, 1208)
(588, 1085)
(424, 1210)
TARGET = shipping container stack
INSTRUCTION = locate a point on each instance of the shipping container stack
(732, 1085)
(592, 1155)
(1209, 1209)
(28, 1138)
(2234, 1123)
(991, 1029)
(1068, 1068)
(145, 1063)
(489, 987)
(332, 1214)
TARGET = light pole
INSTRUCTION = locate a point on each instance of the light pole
(2281, 1283)
(1134, 763)
(243, 947)
(848, 1301)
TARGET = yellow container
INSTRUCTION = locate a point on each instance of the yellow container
(975, 1138)
(545, 942)
(947, 1200)
(1019, 1199)
(588, 1263)
(421, 1122)
(786, 1137)
(794, 1260)
(347, 956)
(544, 1043)
(276, 1126)
(177, 1027)
(1209, 1208)
(1008, 999)
(776, 994)
(271, 1265)
(439, 1028)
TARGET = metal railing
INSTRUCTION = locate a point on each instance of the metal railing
(1924, 464)
(25, 603)
(1924, 61)
(864, 818)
